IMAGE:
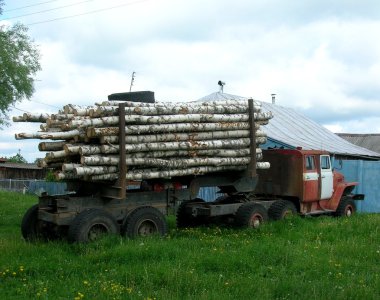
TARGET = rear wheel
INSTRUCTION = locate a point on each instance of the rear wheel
(145, 221)
(251, 215)
(281, 209)
(346, 208)
(90, 225)
(33, 229)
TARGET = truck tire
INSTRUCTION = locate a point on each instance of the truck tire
(281, 209)
(251, 215)
(346, 207)
(184, 219)
(90, 225)
(30, 225)
(33, 229)
(145, 221)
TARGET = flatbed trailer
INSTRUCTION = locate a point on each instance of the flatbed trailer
(123, 207)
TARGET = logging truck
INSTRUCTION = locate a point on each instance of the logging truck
(297, 182)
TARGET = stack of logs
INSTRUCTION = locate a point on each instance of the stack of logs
(161, 139)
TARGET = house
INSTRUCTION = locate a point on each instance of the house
(289, 129)
(368, 141)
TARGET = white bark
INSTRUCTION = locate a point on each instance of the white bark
(35, 117)
(84, 111)
(164, 119)
(69, 108)
(192, 145)
(168, 128)
(66, 176)
(168, 137)
(69, 167)
(51, 146)
(18, 119)
(56, 154)
(62, 116)
(227, 102)
(89, 150)
(45, 128)
(172, 110)
(48, 135)
(171, 162)
(143, 174)
(114, 159)
(82, 171)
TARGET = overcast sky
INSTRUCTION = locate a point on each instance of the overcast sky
(321, 58)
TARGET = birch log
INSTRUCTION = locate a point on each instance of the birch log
(151, 173)
(51, 146)
(175, 110)
(160, 162)
(69, 167)
(169, 128)
(62, 135)
(18, 119)
(66, 176)
(168, 137)
(164, 119)
(114, 159)
(35, 117)
(61, 117)
(192, 145)
(185, 105)
(82, 171)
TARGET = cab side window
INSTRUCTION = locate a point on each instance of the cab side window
(309, 162)
(325, 162)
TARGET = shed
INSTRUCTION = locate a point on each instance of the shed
(289, 129)
(21, 171)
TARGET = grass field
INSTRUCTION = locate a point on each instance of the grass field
(300, 258)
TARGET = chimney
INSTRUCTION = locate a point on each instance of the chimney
(273, 98)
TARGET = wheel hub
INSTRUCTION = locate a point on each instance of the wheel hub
(146, 228)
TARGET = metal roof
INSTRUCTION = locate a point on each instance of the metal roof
(369, 141)
(20, 166)
(296, 130)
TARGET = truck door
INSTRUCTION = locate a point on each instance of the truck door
(326, 177)
(310, 179)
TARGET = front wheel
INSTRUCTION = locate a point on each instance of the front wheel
(346, 208)
(90, 225)
(145, 221)
(251, 215)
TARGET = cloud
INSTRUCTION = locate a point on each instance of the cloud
(320, 57)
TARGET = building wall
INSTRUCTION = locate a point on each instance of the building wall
(19, 173)
(367, 174)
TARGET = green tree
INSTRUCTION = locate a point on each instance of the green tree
(18, 158)
(19, 63)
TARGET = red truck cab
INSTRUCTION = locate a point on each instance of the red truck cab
(307, 179)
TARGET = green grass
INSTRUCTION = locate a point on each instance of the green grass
(300, 258)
